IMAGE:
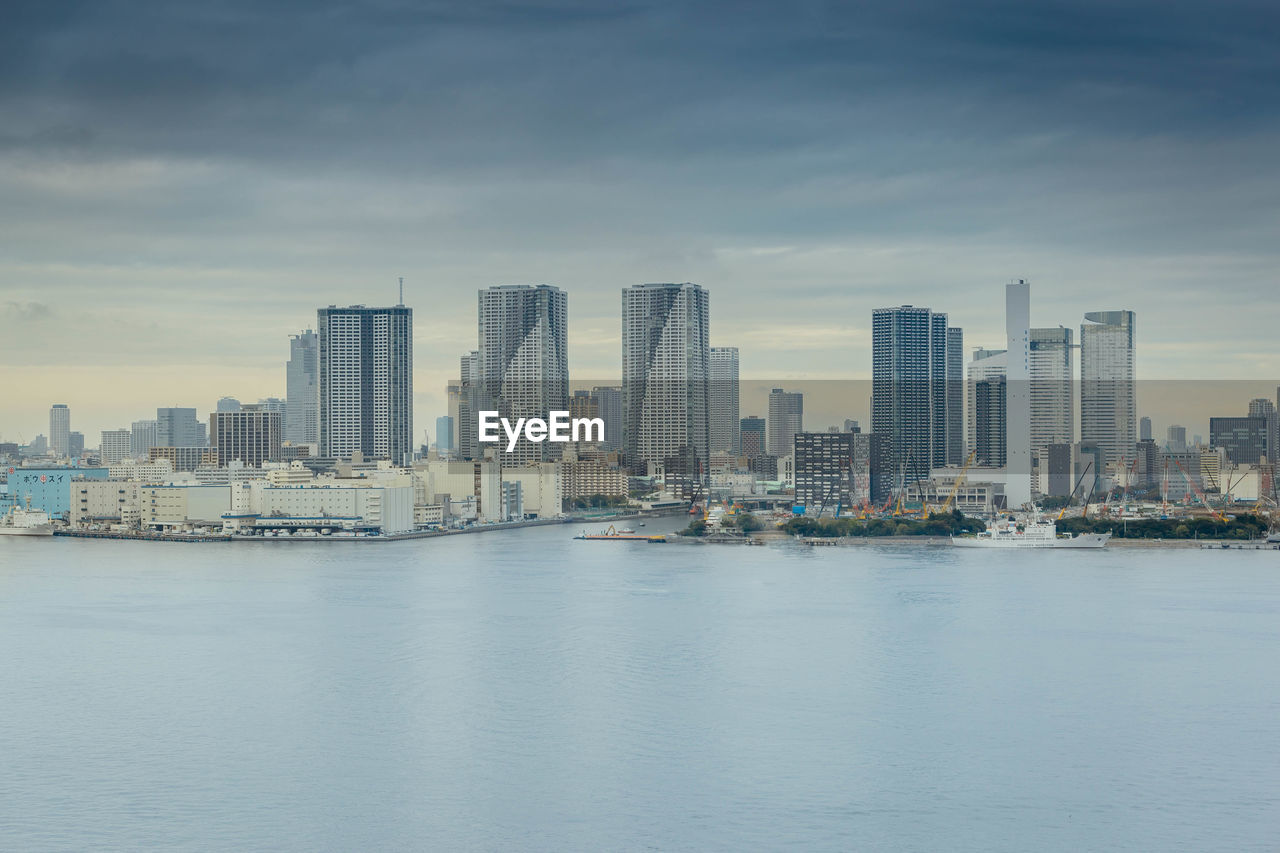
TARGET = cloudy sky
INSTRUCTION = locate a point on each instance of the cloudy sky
(183, 184)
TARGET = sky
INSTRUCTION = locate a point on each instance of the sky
(183, 184)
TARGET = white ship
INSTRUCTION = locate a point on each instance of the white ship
(26, 522)
(1035, 533)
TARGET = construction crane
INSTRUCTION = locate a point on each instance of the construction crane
(1092, 487)
(955, 487)
(1063, 511)
(1198, 493)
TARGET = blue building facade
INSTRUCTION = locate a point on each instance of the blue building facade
(49, 488)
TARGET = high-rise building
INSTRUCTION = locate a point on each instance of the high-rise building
(609, 405)
(1144, 428)
(249, 435)
(986, 364)
(991, 405)
(60, 430)
(273, 404)
(178, 427)
(1052, 379)
(912, 403)
(752, 432)
(524, 362)
(227, 404)
(1017, 390)
(116, 445)
(75, 444)
(302, 396)
(1243, 439)
(144, 438)
(665, 370)
(366, 382)
(464, 403)
(1176, 438)
(955, 396)
(786, 420)
(445, 444)
(1108, 391)
(725, 421)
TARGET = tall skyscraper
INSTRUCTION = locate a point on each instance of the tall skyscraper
(75, 444)
(1052, 401)
(753, 436)
(1144, 428)
(178, 427)
(464, 405)
(60, 430)
(302, 381)
(1176, 438)
(1017, 323)
(912, 402)
(986, 364)
(227, 404)
(1108, 392)
(786, 419)
(524, 362)
(991, 411)
(116, 445)
(955, 396)
(725, 422)
(144, 438)
(366, 382)
(665, 370)
(250, 435)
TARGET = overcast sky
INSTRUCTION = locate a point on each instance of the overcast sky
(183, 184)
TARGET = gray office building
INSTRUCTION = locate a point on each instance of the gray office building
(302, 389)
(725, 421)
(178, 427)
(1108, 390)
(786, 420)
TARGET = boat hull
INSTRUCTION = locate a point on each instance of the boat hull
(34, 530)
(1083, 541)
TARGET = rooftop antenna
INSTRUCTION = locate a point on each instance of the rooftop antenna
(401, 290)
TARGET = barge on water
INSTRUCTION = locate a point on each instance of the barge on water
(612, 534)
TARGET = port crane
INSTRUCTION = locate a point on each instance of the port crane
(1062, 511)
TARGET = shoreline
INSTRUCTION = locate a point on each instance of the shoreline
(145, 536)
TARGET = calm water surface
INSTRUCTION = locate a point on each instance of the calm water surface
(519, 690)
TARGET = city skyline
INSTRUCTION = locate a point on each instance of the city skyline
(845, 397)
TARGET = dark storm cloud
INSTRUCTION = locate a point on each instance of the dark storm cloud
(786, 119)
(512, 84)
